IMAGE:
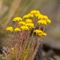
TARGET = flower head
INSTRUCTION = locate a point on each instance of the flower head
(24, 28)
(44, 22)
(35, 12)
(40, 32)
(30, 25)
(21, 23)
(43, 17)
(10, 28)
(28, 16)
(17, 29)
(28, 21)
(17, 19)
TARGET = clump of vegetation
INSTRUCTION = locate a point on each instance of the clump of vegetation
(29, 32)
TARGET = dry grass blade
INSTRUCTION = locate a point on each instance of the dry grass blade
(1, 4)
(13, 8)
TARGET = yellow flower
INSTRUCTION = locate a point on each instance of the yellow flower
(17, 29)
(17, 19)
(24, 28)
(28, 21)
(10, 28)
(21, 23)
(44, 17)
(35, 12)
(41, 16)
(40, 32)
(37, 15)
(28, 16)
(44, 22)
(30, 25)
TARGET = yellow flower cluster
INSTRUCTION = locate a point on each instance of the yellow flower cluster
(27, 23)
(11, 29)
(24, 25)
(33, 13)
(42, 19)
